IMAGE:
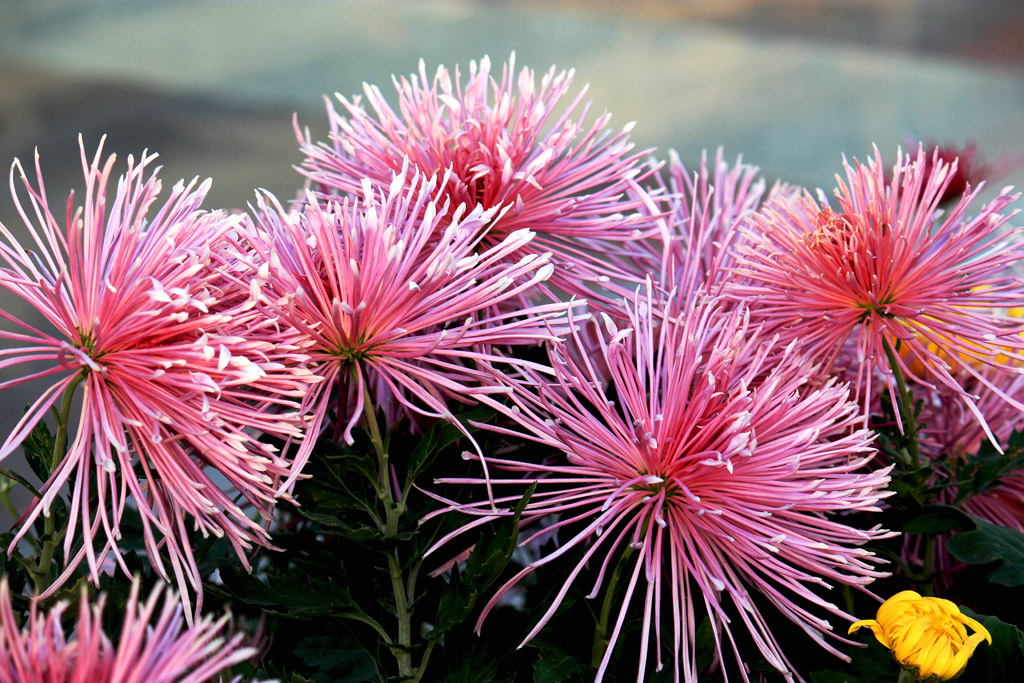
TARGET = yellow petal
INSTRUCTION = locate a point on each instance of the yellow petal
(917, 637)
(875, 627)
(938, 660)
(959, 661)
(978, 628)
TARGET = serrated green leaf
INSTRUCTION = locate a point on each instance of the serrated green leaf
(992, 543)
(988, 468)
(441, 435)
(869, 664)
(485, 564)
(296, 597)
(38, 447)
(555, 666)
(362, 534)
(938, 519)
(322, 653)
(340, 465)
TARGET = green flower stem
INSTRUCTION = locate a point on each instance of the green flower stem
(402, 649)
(423, 662)
(910, 430)
(906, 406)
(369, 621)
(928, 589)
(5, 498)
(601, 636)
(848, 599)
(51, 538)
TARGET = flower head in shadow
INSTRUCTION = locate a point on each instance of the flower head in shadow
(155, 646)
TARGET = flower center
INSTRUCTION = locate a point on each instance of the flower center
(849, 246)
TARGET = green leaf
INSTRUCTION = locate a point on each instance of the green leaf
(441, 435)
(367, 536)
(869, 664)
(555, 666)
(992, 543)
(336, 664)
(995, 662)
(295, 597)
(38, 448)
(988, 468)
(340, 464)
(938, 519)
(11, 474)
(485, 564)
(475, 660)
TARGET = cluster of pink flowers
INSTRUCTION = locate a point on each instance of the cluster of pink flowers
(706, 428)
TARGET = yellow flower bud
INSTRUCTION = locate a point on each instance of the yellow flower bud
(926, 634)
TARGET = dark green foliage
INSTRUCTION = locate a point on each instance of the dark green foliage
(485, 564)
(988, 468)
(326, 601)
(336, 664)
(555, 666)
(937, 519)
(38, 447)
(871, 664)
(1006, 653)
(989, 543)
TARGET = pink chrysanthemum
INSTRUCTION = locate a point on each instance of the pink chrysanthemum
(717, 458)
(148, 651)
(699, 226)
(505, 147)
(385, 297)
(887, 269)
(179, 374)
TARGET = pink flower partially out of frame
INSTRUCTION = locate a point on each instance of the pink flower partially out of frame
(507, 144)
(178, 374)
(153, 647)
(386, 297)
(950, 429)
(708, 462)
(887, 269)
(698, 216)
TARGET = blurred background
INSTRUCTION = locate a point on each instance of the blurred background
(212, 84)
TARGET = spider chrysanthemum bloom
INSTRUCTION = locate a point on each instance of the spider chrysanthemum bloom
(176, 373)
(698, 216)
(509, 144)
(155, 646)
(708, 462)
(385, 297)
(886, 270)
